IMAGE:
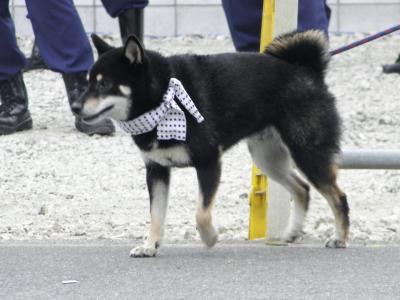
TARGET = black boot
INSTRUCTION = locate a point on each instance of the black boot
(14, 113)
(393, 68)
(35, 61)
(75, 84)
(131, 22)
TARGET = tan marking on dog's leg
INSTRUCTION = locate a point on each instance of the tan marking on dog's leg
(208, 177)
(207, 231)
(157, 213)
(156, 232)
(338, 202)
(342, 198)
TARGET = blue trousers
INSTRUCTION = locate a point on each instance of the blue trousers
(59, 34)
(244, 20)
(115, 7)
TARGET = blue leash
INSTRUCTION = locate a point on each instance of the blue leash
(365, 40)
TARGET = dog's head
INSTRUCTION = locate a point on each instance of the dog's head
(111, 80)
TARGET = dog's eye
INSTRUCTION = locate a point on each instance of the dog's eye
(103, 85)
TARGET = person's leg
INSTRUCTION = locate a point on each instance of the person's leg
(65, 48)
(35, 61)
(314, 14)
(244, 21)
(14, 113)
(60, 35)
(115, 7)
(11, 58)
(130, 15)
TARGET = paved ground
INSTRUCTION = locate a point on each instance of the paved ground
(243, 271)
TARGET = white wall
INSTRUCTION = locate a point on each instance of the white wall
(176, 17)
(364, 15)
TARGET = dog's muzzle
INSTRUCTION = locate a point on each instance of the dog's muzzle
(92, 117)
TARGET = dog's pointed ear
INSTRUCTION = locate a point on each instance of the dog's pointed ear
(133, 50)
(100, 44)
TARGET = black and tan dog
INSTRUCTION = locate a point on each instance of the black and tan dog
(277, 101)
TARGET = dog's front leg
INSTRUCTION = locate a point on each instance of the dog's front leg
(208, 176)
(158, 185)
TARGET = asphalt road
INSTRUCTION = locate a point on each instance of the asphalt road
(242, 271)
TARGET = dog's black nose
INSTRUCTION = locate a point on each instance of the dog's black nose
(76, 107)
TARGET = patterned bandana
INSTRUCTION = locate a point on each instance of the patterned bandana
(169, 118)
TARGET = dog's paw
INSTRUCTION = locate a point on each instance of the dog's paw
(335, 243)
(143, 251)
(291, 237)
(208, 235)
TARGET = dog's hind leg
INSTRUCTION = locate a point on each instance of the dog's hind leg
(309, 125)
(208, 176)
(158, 178)
(271, 155)
(318, 164)
(338, 202)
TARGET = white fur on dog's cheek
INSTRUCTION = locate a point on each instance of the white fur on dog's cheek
(125, 90)
(120, 111)
(91, 106)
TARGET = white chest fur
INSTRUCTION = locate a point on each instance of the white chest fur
(169, 157)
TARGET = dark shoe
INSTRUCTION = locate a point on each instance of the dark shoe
(393, 68)
(131, 22)
(76, 84)
(103, 127)
(35, 61)
(14, 113)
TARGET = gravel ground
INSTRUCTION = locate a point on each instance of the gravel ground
(60, 184)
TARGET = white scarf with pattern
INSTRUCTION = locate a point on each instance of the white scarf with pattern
(168, 117)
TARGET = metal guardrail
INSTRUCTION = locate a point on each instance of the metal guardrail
(370, 159)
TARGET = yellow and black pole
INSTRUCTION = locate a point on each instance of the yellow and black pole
(259, 190)
(266, 197)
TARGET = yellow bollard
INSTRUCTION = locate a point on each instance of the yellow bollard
(258, 205)
(267, 24)
(259, 191)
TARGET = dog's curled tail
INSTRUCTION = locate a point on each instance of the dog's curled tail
(308, 48)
